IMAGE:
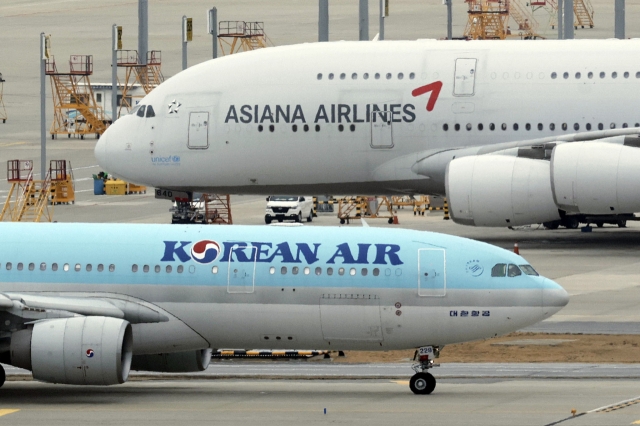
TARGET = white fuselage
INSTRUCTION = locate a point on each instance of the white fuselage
(304, 118)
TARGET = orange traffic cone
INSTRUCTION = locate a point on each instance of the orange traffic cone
(516, 250)
(395, 220)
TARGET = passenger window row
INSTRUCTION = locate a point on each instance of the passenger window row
(511, 270)
(295, 270)
(54, 267)
(590, 75)
(272, 128)
(157, 269)
(528, 126)
(365, 76)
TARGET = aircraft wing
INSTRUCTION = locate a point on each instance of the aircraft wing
(30, 307)
(592, 174)
(434, 162)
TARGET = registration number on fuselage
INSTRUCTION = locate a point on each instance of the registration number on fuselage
(167, 194)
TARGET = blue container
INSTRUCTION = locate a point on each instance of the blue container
(98, 187)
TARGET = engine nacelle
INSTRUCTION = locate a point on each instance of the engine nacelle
(75, 351)
(177, 362)
(596, 178)
(499, 190)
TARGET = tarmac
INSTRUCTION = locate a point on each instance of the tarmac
(600, 269)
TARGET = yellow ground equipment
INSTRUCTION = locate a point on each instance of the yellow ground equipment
(75, 111)
(365, 207)
(147, 76)
(241, 36)
(62, 190)
(132, 188)
(28, 199)
(3, 111)
(488, 19)
(115, 187)
(582, 11)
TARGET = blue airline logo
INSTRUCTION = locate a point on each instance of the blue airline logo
(207, 251)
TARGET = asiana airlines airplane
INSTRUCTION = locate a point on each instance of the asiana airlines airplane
(83, 304)
(512, 132)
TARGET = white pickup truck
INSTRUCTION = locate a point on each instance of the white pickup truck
(288, 207)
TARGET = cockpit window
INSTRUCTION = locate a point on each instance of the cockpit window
(514, 271)
(150, 112)
(500, 270)
(528, 269)
(141, 111)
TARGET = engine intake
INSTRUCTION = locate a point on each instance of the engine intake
(75, 351)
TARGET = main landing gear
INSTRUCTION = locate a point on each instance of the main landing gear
(423, 383)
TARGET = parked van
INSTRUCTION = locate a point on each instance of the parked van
(289, 207)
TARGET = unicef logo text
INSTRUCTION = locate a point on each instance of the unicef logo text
(170, 160)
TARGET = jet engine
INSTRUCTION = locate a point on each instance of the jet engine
(177, 362)
(499, 190)
(596, 178)
(75, 351)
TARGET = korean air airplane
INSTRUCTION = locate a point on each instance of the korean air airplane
(512, 132)
(83, 304)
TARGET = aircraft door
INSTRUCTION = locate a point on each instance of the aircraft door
(432, 276)
(241, 275)
(381, 130)
(198, 130)
(465, 77)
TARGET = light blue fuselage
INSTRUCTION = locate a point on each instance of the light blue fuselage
(282, 287)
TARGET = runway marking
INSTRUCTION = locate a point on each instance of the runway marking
(605, 409)
(12, 144)
(400, 382)
(5, 411)
(637, 422)
(616, 405)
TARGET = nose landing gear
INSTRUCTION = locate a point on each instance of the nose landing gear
(423, 383)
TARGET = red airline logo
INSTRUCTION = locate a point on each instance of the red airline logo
(434, 88)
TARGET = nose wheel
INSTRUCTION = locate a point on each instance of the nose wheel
(423, 383)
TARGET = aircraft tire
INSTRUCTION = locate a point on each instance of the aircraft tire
(422, 383)
(3, 376)
(570, 222)
(552, 225)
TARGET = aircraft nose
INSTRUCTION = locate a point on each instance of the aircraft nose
(554, 297)
(100, 151)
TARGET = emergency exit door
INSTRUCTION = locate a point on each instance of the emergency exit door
(465, 77)
(198, 130)
(381, 130)
(242, 275)
(432, 276)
